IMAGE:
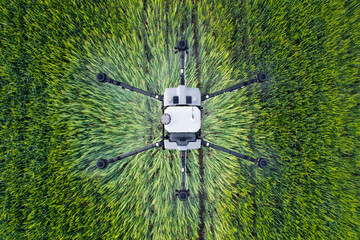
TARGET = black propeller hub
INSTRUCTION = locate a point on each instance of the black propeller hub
(101, 77)
(183, 195)
(263, 163)
(261, 77)
(101, 164)
(182, 45)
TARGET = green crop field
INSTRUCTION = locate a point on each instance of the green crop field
(57, 120)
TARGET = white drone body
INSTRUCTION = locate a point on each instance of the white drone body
(182, 118)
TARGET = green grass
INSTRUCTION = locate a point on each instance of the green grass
(57, 120)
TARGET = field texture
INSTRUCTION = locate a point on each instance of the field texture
(57, 120)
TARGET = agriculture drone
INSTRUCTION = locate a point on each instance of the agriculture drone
(181, 118)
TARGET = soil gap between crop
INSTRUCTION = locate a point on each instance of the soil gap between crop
(20, 73)
(242, 55)
(167, 35)
(147, 60)
(201, 228)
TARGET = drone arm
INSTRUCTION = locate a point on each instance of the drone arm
(261, 162)
(182, 67)
(183, 168)
(183, 193)
(259, 78)
(102, 163)
(236, 154)
(102, 77)
(182, 47)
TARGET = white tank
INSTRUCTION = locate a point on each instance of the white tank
(183, 119)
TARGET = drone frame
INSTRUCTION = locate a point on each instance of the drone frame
(181, 48)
